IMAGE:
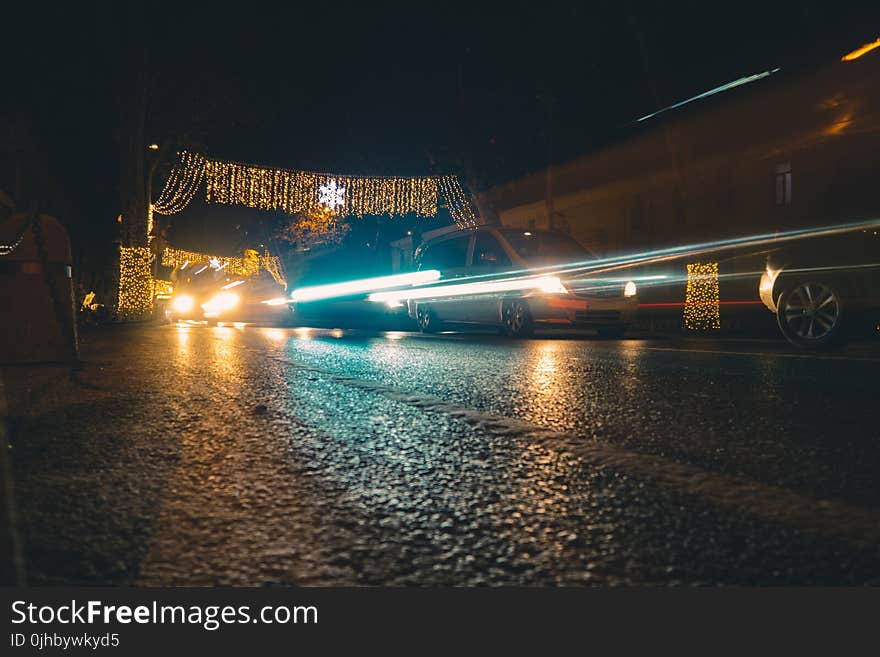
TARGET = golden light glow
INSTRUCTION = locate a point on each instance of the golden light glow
(182, 184)
(701, 308)
(135, 282)
(221, 302)
(304, 192)
(858, 52)
(276, 335)
(247, 266)
(162, 289)
(296, 192)
(182, 303)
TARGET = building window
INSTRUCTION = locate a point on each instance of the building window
(783, 184)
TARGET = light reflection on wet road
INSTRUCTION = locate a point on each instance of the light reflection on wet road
(306, 456)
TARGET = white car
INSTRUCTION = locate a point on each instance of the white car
(489, 252)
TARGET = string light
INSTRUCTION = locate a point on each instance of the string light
(300, 192)
(701, 308)
(162, 289)
(296, 192)
(457, 202)
(246, 266)
(135, 281)
(182, 184)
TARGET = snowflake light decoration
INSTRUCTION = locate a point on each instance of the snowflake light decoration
(215, 263)
(331, 196)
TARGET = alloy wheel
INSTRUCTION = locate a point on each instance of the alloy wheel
(811, 311)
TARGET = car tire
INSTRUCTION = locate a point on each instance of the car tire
(611, 332)
(516, 318)
(427, 319)
(810, 314)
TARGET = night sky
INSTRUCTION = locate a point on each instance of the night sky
(371, 88)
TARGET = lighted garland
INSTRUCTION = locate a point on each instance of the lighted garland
(245, 266)
(701, 308)
(302, 192)
(162, 288)
(296, 192)
(457, 202)
(182, 184)
(135, 281)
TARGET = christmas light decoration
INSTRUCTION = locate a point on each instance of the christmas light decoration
(457, 202)
(162, 289)
(135, 282)
(245, 266)
(331, 195)
(701, 307)
(297, 192)
(182, 184)
(301, 192)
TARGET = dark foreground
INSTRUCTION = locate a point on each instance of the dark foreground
(188, 455)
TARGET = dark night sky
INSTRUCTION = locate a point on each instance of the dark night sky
(371, 88)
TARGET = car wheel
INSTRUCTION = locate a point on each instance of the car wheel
(809, 314)
(611, 332)
(516, 318)
(427, 320)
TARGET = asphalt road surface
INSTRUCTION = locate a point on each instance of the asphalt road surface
(191, 455)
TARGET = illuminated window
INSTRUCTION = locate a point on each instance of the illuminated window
(783, 184)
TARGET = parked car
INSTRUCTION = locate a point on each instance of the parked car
(822, 287)
(489, 252)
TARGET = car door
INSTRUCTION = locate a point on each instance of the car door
(489, 259)
(448, 255)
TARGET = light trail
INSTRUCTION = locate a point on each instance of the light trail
(548, 284)
(711, 92)
(603, 265)
(362, 286)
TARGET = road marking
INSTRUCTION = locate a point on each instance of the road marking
(765, 353)
(858, 526)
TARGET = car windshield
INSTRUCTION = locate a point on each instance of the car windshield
(545, 245)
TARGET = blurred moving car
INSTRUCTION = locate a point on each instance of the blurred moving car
(821, 287)
(489, 252)
(207, 294)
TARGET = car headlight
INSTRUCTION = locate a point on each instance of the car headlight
(630, 289)
(182, 303)
(221, 302)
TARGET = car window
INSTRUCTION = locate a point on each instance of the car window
(448, 254)
(488, 252)
(545, 245)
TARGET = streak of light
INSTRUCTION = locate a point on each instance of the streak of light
(348, 288)
(625, 261)
(549, 284)
(231, 285)
(711, 92)
(858, 52)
